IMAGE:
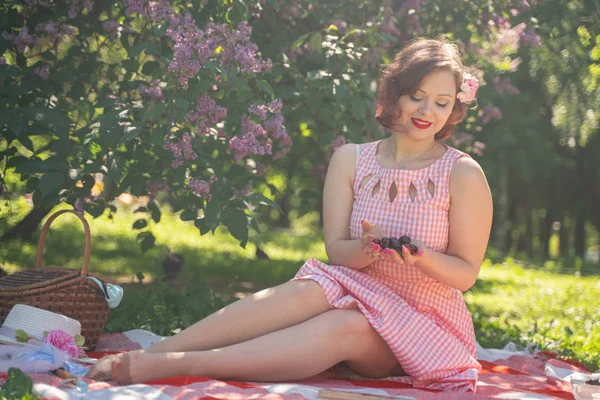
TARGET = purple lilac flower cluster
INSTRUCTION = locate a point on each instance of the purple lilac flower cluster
(338, 142)
(201, 188)
(257, 139)
(490, 113)
(42, 71)
(111, 27)
(181, 149)
(207, 113)
(156, 187)
(21, 40)
(152, 91)
(77, 6)
(193, 47)
(54, 30)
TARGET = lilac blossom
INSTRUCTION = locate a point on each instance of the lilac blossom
(489, 113)
(42, 71)
(152, 91)
(530, 38)
(201, 188)
(54, 31)
(156, 187)
(338, 142)
(260, 110)
(459, 138)
(77, 6)
(319, 171)
(206, 113)
(193, 47)
(182, 149)
(2, 61)
(478, 148)
(504, 84)
(22, 39)
(253, 139)
(111, 27)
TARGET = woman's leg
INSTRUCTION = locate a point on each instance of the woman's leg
(263, 312)
(296, 352)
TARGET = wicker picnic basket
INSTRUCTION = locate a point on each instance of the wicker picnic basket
(64, 291)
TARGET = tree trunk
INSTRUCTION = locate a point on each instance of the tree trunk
(501, 211)
(528, 235)
(580, 242)
(25, 228)
(565, 230)
(545, 232)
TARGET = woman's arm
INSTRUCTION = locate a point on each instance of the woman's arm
(338, 196)
(470, 219)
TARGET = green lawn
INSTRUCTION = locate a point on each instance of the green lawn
(554, 311)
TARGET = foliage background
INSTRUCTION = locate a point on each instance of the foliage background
(224, 122)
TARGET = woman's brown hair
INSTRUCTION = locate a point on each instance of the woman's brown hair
(406, 71)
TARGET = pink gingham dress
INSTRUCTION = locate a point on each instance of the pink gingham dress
(426, 323)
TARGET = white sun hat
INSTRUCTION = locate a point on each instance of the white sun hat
(34, 321)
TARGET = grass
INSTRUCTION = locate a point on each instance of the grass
(529, 305)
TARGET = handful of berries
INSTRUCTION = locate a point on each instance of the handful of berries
(396, 244)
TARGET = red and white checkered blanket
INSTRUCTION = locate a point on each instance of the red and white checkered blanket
(506, 374)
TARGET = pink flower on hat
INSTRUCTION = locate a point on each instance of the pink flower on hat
(62, 341)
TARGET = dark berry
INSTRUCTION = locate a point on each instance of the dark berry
(411, 248)
(404, 240)
(385, 242)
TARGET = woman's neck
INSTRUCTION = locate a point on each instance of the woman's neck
(403, 148)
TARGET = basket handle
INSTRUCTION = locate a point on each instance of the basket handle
(88, 240)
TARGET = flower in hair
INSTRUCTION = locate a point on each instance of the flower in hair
(468, 88)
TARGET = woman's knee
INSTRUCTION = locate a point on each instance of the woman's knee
(350, 324)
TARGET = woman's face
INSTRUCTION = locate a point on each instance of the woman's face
(425, 112)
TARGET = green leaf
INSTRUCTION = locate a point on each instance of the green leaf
(32, 184)
(136, 49)
(155, 212)
(51, 119)
(315, 42)
(266, 87)
(140, 224)
(258, 198)
(340, 91)
(237, 223)
(211, 214)
(79, 340)
(15, 124)
(51, 182)
(21, 336)
(183, 104)
(34, 166)
(95, 209)
(147, 242)
(149, 67)
(116, 169)
(18, 385)
(300, 41)
(154, 110)
(188, 215)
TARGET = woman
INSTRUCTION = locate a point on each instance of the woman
(385, 314)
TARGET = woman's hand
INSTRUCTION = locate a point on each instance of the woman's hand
(406, 258)
(370, 232)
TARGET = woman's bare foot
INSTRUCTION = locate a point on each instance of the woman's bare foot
(102, 369)
(139, 366)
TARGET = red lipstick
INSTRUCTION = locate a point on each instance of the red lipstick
(420, 124)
